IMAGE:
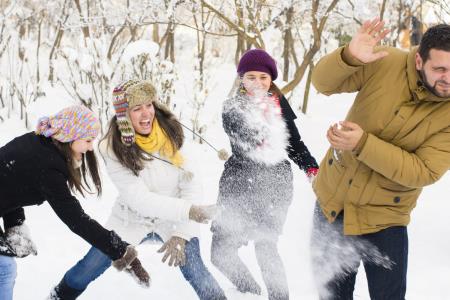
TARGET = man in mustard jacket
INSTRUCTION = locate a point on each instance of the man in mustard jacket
(395, 140)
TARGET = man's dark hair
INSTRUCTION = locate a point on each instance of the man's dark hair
(436, 37)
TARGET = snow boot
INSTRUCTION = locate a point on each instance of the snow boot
(64, 292)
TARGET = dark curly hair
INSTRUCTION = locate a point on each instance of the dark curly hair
(436, 37)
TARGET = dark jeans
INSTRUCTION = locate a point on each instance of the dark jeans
(95, 263)
(336, 258)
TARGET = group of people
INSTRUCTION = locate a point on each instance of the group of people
(394, 141)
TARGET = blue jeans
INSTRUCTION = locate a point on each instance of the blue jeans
(194, 271)
(336, 259)
(8, 272)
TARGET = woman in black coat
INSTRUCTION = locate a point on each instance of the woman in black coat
(41, 166)
(256, 186)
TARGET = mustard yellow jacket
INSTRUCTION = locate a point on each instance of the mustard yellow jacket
(406, 145)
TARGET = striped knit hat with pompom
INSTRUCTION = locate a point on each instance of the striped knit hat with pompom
(126, 96)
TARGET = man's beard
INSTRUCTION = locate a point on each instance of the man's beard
(433, 89)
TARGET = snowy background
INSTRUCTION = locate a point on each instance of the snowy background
(59, 249)
(194, 86)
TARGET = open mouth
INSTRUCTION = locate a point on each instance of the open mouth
(145, 124)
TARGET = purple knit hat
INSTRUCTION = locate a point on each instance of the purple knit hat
(70, 124)
(257, 60)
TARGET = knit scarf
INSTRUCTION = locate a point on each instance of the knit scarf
(158, 142)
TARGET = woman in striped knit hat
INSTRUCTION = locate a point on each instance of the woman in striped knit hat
(43, 166)
(158, 195)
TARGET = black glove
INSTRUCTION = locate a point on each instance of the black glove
(5, 248)
(132, 265)
(174, 249)
(138, 272)
(18, 237)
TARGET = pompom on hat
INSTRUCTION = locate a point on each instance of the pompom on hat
(257, 60)
(70, 124)
(127, 95)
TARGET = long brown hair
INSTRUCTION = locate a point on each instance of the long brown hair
(133, 157)
(77, 176)
(275, 90)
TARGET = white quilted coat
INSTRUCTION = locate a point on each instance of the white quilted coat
(158, 200)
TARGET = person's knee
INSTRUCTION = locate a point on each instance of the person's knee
(216, 259)
(266, 248)
(194, 260)
(192, 248)
(87, 269)
(221, 252)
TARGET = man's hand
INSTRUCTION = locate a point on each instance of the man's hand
(202, 213)
(174, 249)
(345, 138)
(368, 36)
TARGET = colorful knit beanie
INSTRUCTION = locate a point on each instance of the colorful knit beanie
(70, 124)
(257, 60)
(126, 96)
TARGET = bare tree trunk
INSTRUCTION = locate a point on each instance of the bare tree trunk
(317, 27)
(399, 22)
(113, 41)
(243, 36)
(57, 42)
(37, 52)
(201, 44)
(133, 31)
(1, 97)
(253, 27)
(155, 33)
(84, 28)
(383, 8)
(240, 42)
(287, 42)
(172, 44)
(169, 51)
(307, 88)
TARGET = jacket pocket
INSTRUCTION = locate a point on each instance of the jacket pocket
(388, 208)
(396, 199)
(389, 185)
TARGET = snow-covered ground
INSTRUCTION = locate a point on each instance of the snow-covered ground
(59, 249)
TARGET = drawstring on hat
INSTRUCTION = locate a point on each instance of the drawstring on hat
(222, 153)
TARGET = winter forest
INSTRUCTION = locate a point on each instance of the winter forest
(58, 53)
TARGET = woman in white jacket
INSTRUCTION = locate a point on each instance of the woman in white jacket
(156, 192)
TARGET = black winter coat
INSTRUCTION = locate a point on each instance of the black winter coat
(33, 170)
(254, 197)
(297, 150)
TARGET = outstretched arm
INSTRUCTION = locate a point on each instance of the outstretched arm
(54, 186)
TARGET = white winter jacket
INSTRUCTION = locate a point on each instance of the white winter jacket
(158, 200)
